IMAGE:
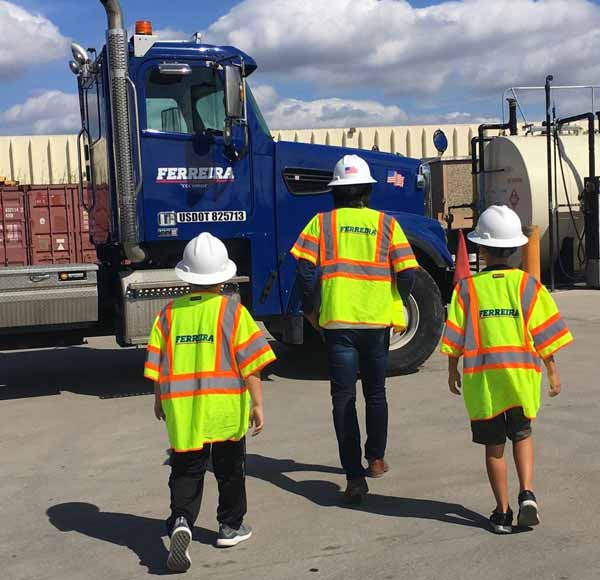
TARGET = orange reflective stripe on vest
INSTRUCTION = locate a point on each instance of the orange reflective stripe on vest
(357, 272)
(335, 266)
(201, 348)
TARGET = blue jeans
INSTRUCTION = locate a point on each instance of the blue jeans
(350, 351)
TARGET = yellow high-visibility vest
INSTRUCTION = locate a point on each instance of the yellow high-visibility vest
(201, 348)
(359, 251)
(502, 321)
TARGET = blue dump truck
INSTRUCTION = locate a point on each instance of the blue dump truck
(173, 143)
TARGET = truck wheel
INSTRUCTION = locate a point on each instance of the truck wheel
(424, 312)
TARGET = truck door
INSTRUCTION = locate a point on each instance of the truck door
(189, 184)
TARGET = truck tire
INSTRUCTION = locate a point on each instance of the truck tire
(424, 311)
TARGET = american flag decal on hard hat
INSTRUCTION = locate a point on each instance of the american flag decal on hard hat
(395, 178)
(349, 170)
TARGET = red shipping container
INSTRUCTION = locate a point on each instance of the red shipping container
(86, 251)
(51, 225)
(13, 232)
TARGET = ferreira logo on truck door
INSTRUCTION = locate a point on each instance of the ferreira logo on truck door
(195, 175)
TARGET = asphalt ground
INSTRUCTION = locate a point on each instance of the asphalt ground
(83, 484)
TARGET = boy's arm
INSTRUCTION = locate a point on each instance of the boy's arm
(454, 380)
(553, 376)
(158, 410)
(257, 418)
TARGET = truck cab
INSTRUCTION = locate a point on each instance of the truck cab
(175, 144)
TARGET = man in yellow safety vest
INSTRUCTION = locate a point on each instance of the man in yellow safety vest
(504, 323)
(365, 265)
(205, 354)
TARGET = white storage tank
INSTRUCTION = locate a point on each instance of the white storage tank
(519, 179)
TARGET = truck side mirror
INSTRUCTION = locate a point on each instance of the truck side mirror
(234, 93)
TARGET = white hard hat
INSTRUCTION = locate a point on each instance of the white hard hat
(499, 227)
(205, 262)
(351, 170)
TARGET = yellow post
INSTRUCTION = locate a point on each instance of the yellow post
(531, 252)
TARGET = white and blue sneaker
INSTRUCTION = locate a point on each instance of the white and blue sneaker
(229, 537)
(179, 558)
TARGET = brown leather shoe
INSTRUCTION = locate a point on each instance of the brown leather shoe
(377, 468)
(356, 490)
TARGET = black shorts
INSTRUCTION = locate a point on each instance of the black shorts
(512, 424)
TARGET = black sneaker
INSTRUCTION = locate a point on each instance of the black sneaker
(528, 509)
(502, 522)
(356, 491)
(179, 558)
(229, 537)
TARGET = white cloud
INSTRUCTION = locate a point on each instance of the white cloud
(169, 33)
(26, 39)
(452, 118)
(469, 45)
(284, 113)
(50, 112)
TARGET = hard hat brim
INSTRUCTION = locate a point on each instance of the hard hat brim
(351, 181)
(498, 243)
(226, 274)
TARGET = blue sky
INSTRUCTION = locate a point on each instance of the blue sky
(334, 63)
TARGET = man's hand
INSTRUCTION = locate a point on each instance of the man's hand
(554, 379)
(454, 381)
(257, 419)
(158, 410)
(313, 321)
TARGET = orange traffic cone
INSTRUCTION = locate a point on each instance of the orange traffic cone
(462, 268)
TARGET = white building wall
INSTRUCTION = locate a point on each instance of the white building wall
(408, 140)
(40, 159)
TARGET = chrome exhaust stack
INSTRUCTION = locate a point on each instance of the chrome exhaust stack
(118, 74)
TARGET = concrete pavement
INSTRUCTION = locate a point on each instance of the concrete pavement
(83, 481)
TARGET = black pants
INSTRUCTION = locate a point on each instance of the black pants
(350, 351)
(187, 483)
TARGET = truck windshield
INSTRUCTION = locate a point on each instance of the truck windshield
(186, 104)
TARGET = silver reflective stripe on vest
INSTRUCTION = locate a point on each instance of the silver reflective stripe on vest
(386, 237)
(153, 357)
(327, 235)
(454, 336)
(255, 346)
(201, 384)
(463, 290)
(164, 322)
(165, 371)
(227, 335)
(528, 296)
(501, 358)
(309, 245)
(550, 332)
(364, 270)
(399, 253)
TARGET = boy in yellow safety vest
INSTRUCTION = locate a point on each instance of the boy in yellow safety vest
(504, 324)
(205, 354)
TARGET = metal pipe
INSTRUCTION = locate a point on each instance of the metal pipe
(474, 168)
(118, 74)
(554, 88)
(591, 119)
(114, 13)
(512, 116)
(548, 92)
(531, 251)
